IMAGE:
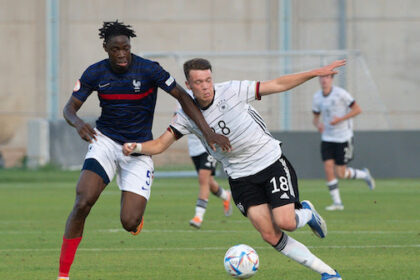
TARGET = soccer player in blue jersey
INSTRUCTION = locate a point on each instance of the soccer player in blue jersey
(127, 89)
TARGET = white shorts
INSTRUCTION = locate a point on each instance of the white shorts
(134, 173)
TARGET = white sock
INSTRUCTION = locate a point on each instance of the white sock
(334, 191)
(335, 195)
(301, 254)
(303, 216)
(353, 173)
(221, 193)
(200, 208)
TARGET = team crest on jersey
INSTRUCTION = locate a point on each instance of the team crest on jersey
(136, 85)
(77, 86)
(222, 105)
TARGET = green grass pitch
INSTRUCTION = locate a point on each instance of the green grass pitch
(377, 236)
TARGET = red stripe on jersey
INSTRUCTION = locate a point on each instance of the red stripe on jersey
(257, 91)
(118, 96)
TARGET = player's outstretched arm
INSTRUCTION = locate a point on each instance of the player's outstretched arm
(194, 113)
(290, 81)
(152, 147)
(85, 131)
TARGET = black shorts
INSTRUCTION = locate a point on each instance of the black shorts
(275, 185)
(205, 161)
(341, 153)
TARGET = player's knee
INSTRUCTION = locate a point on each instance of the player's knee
(203, 180)
(82, 207)
(130, 223)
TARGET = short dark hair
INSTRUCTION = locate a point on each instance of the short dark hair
(196, 64)
(115, 28)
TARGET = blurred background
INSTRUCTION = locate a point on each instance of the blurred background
(47, 44)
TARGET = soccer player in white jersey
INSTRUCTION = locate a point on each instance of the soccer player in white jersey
(337, 108)
(262, 181)
(205, 165)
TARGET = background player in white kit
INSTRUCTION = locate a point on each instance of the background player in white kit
(263, 182)
(337, 108)
(205, 165)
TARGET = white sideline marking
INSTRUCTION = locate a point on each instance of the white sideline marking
(208, 248)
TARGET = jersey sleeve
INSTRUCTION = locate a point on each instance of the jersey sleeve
(316, 109)
(348, 99)
(180, 125)
(84, 86)
(161, 77)
(247, 90)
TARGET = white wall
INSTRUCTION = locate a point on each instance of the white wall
(387, 32)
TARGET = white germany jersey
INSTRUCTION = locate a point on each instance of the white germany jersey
(253, 147)
(195, 147)
(335, 104)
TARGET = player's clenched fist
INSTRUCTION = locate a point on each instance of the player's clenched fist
(129, 148)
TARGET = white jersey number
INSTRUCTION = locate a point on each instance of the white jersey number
(284, 186)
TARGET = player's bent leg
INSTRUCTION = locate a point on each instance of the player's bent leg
(261, 218)
(132, 209)
(204, 176)
(88, 189)
(353, 173)
(341, 171)
(285, 217)
(214, 186)
(301, 254)
(223, 194)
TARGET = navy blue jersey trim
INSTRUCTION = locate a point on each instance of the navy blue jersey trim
(94, 166)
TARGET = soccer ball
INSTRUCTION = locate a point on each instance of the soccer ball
(241, 261)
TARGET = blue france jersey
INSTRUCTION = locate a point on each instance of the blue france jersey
(128, 99)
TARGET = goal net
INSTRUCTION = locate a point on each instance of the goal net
(290, 110)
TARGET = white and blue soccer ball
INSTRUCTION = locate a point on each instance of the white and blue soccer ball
(241, 261)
